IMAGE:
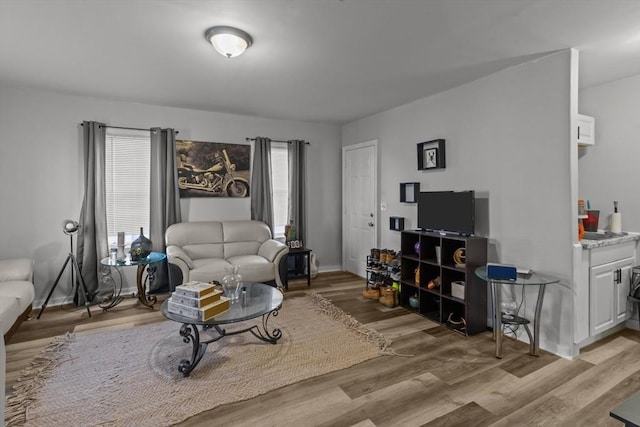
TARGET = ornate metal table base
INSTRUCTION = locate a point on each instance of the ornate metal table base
(111, 298)
(191, 335)
(146, 300)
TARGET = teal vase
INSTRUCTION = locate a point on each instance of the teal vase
(141, 247)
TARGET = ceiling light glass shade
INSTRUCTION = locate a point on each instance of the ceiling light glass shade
(228, 41)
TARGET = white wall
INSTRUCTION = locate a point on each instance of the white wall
(41, 171)
(508, 138)
(610, 170)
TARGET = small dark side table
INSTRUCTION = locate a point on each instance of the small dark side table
(298, 271)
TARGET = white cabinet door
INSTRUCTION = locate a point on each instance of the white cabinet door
(586, 130)
(601, 298)
(622, 289)
(609, 287)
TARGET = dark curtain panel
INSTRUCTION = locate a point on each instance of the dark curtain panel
(261, 188)
(92, 244)
(165, 200)
(298, 187)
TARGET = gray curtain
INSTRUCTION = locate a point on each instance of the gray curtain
(92, 243)
(261, 188)
(165, 200)
(298, 187)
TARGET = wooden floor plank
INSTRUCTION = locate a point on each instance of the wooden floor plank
(462, 415)
(597, 412)
(522, 391)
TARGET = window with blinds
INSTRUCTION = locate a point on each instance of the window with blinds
(280, 184)
(127, 182)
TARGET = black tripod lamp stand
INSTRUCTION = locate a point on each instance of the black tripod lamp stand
(70, 227)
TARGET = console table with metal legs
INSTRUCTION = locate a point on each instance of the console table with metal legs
(500, 319)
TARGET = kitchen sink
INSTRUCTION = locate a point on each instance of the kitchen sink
(594, 235)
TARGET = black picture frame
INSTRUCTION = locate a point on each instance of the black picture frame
(431, 155)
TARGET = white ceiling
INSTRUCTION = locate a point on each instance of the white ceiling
(318, 60)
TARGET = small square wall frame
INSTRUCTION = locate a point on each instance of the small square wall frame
(431, 155)
(409, 192)
(396, 223)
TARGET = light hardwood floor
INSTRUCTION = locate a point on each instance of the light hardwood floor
(449, 380)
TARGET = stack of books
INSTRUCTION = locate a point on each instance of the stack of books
(197, 300)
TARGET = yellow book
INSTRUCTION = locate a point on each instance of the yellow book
(197, 302)
(199, 314)
(195, 289)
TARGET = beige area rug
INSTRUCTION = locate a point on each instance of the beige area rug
(130, 377)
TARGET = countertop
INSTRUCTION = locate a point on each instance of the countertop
(615, 240)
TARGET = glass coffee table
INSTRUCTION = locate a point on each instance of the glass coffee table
(260, 300)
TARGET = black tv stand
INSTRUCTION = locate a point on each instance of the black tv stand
(444, 303)
(444, 233)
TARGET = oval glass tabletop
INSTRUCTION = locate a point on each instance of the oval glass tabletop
(261, 299)
(522, 279)
(152, 258)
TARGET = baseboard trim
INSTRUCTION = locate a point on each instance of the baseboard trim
(330, 268)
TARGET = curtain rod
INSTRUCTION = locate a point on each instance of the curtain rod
(122, 127)
(277, 140)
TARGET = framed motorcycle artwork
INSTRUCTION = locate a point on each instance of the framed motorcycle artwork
(213, 169)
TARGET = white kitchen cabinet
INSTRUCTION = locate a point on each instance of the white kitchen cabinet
(586, 130)
(623, 285)
(608, 295)
(609, 281)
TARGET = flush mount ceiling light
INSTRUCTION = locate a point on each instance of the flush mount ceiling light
(228, 41)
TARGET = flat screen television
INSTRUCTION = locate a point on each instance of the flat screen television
(447, 211)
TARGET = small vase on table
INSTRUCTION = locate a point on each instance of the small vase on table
(232, 282)
(141, 247)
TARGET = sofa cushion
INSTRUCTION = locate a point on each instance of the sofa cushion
(193, 233)
(240, 248)
(253, 268)
(245, 231)
(208, 269)
(16, 269)
(9, 312)
(22, 291)
(204, 250)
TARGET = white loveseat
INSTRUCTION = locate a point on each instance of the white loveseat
(16, 297)
(16, 293)
(202, 250)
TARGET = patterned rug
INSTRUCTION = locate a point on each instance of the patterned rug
(130, 377)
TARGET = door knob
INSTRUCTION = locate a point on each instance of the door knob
(370, 224)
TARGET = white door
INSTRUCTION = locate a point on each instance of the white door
(359, 200)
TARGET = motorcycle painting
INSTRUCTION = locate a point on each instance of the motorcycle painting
(213, 169)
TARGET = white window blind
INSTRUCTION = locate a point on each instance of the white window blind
(280, 183)
(127, 182)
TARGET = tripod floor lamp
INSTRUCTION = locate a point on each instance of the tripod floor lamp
(70, 227)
